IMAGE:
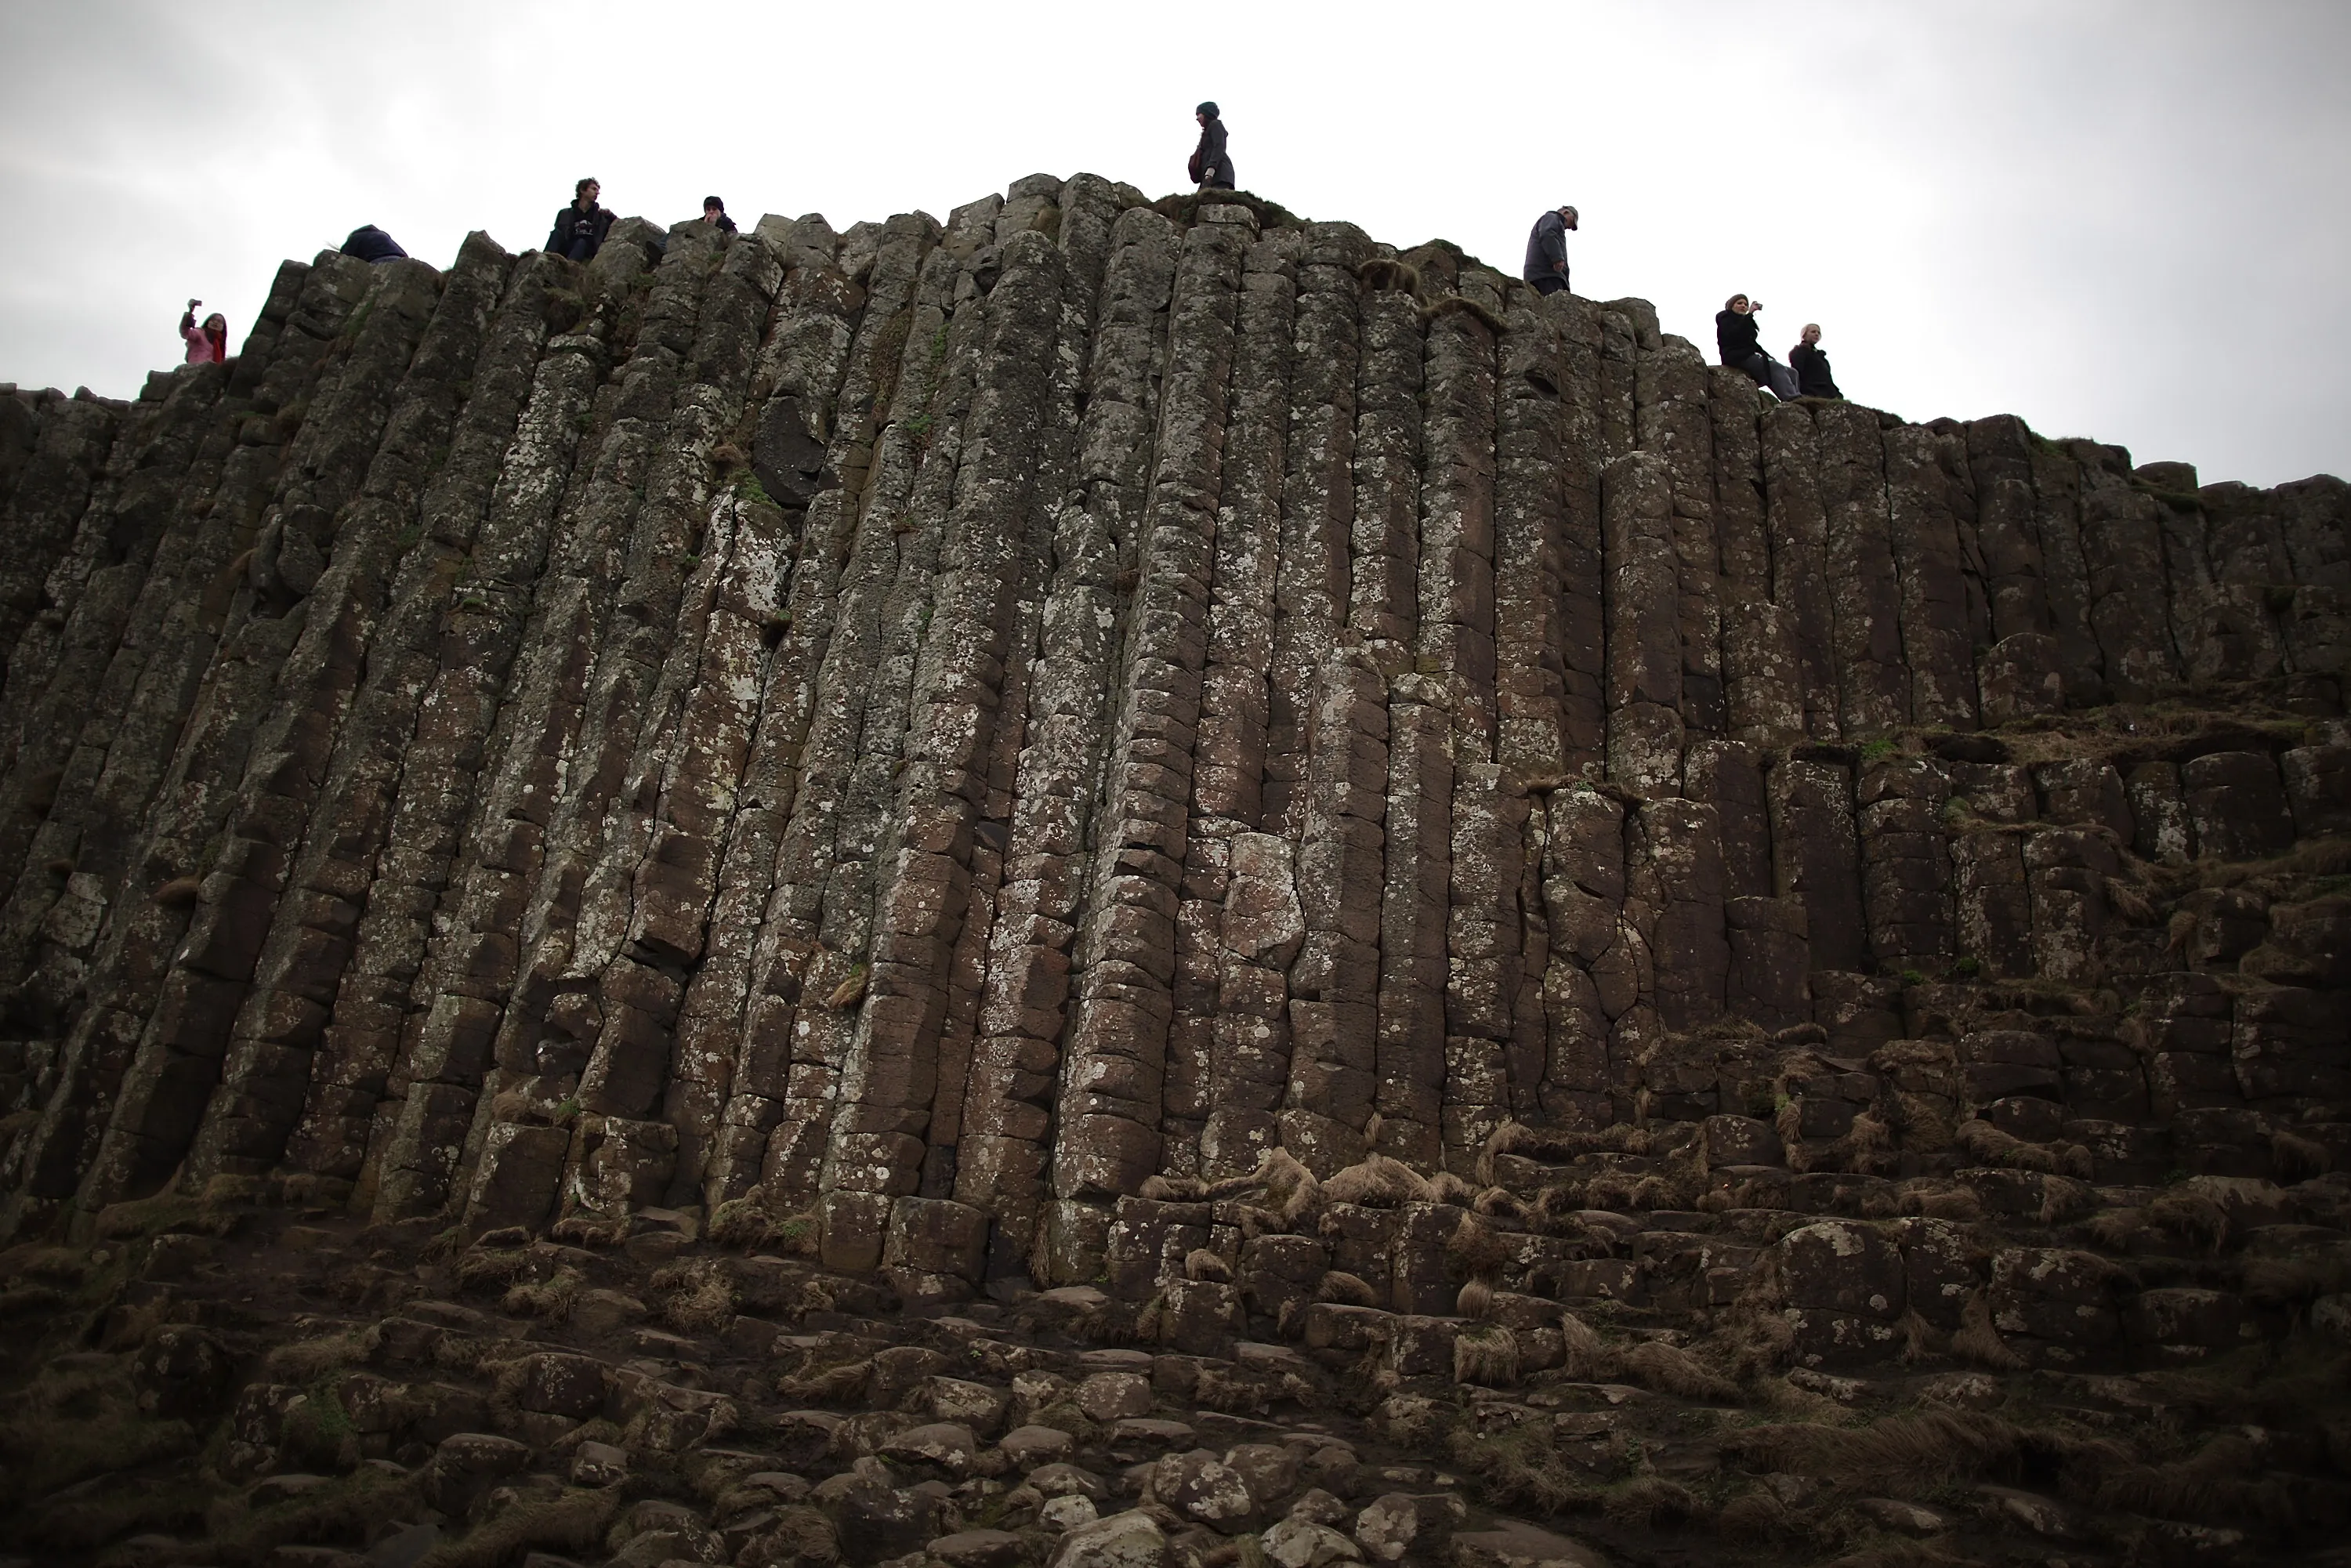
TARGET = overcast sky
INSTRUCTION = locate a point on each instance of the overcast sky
(2119, 220)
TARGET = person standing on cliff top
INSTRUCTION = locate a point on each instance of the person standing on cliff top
(1211, 169)
(207, 344)
(580, 228)
(1546, 266)
(372, 245)
(714, 211)
(1734, 336)
(1811, 366)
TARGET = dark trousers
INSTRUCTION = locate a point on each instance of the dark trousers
(581, 248)
(1218, 176)
(1555, 284)
(1767, 372)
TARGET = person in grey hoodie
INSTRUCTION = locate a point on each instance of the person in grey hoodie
(1546, 266)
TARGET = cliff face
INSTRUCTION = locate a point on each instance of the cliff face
(931, 726)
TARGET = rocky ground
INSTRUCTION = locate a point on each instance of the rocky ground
(1796, 1336)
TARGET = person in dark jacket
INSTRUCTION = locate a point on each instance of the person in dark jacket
(1734, 336)
(714, 211)
(580, 228)
(1546, 266)
(370, 243)
(1811, 366)
(1211, 169)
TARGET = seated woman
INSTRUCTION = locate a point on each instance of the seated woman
(1734, 336)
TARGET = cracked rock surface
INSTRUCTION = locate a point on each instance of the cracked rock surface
(1128, 884)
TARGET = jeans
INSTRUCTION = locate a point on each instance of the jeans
(1769, 372)
(581, 248)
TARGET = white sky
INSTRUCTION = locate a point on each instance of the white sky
(2118, 220)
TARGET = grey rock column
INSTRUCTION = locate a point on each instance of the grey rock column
(1106, 1133)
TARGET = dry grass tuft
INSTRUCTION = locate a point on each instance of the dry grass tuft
(1499, 1203)
(576, 1521)
(1914, 1452)
(1346, 1290)
(1669, 1370)
(1645, 1502)
(1376, 1181)
(1200, 1263)
(1940, 1199)
(741, 1223)
(1290, 1187)
(1754, 1515)
(309, 1360)
(1475, 1301)
(1919, 1338)
(2191, 1216)
(850, 992)
(2298, 1158)
(1989, 1144)
(1172, 1190)
(2225, 1480)
(826, 1384)
(699, 1298)
(1474, 1249)
(1487, 1356)
(2061, 1198)
(1446, 1188)
(551, 1300)
(1977, 1341)
(2297, 1280)
(1588, 1355)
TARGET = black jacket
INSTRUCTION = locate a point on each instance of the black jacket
(1208, 160)
(570, 221)
(1547, 249)
(725, 223)
(370, 243)
(1734, 337)
(1812, 367)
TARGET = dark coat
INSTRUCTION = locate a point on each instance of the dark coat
(1734, 337)
(1209, 165)
(370, 243)
(1547, 249)
(571, 224)
(1812, 367)
(726, 225)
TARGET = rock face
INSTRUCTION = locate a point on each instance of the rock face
(1184, 760)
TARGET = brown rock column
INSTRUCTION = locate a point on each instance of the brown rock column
(1383, 595)
(1923, 504)
(1674, 421)
(1414, 906)
(1588, 982)
(891, 1070)
(1008, 1104)
(1645, 645)
(1106, 1132)
(1230, 760)
(1334, 982)
(1905, 865)
(1314, 585)
(2122, 546)
(307, 638)
(1864, 597)
(1796, 518)
(1815, 857)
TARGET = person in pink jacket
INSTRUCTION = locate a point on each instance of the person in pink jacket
(207, 344)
